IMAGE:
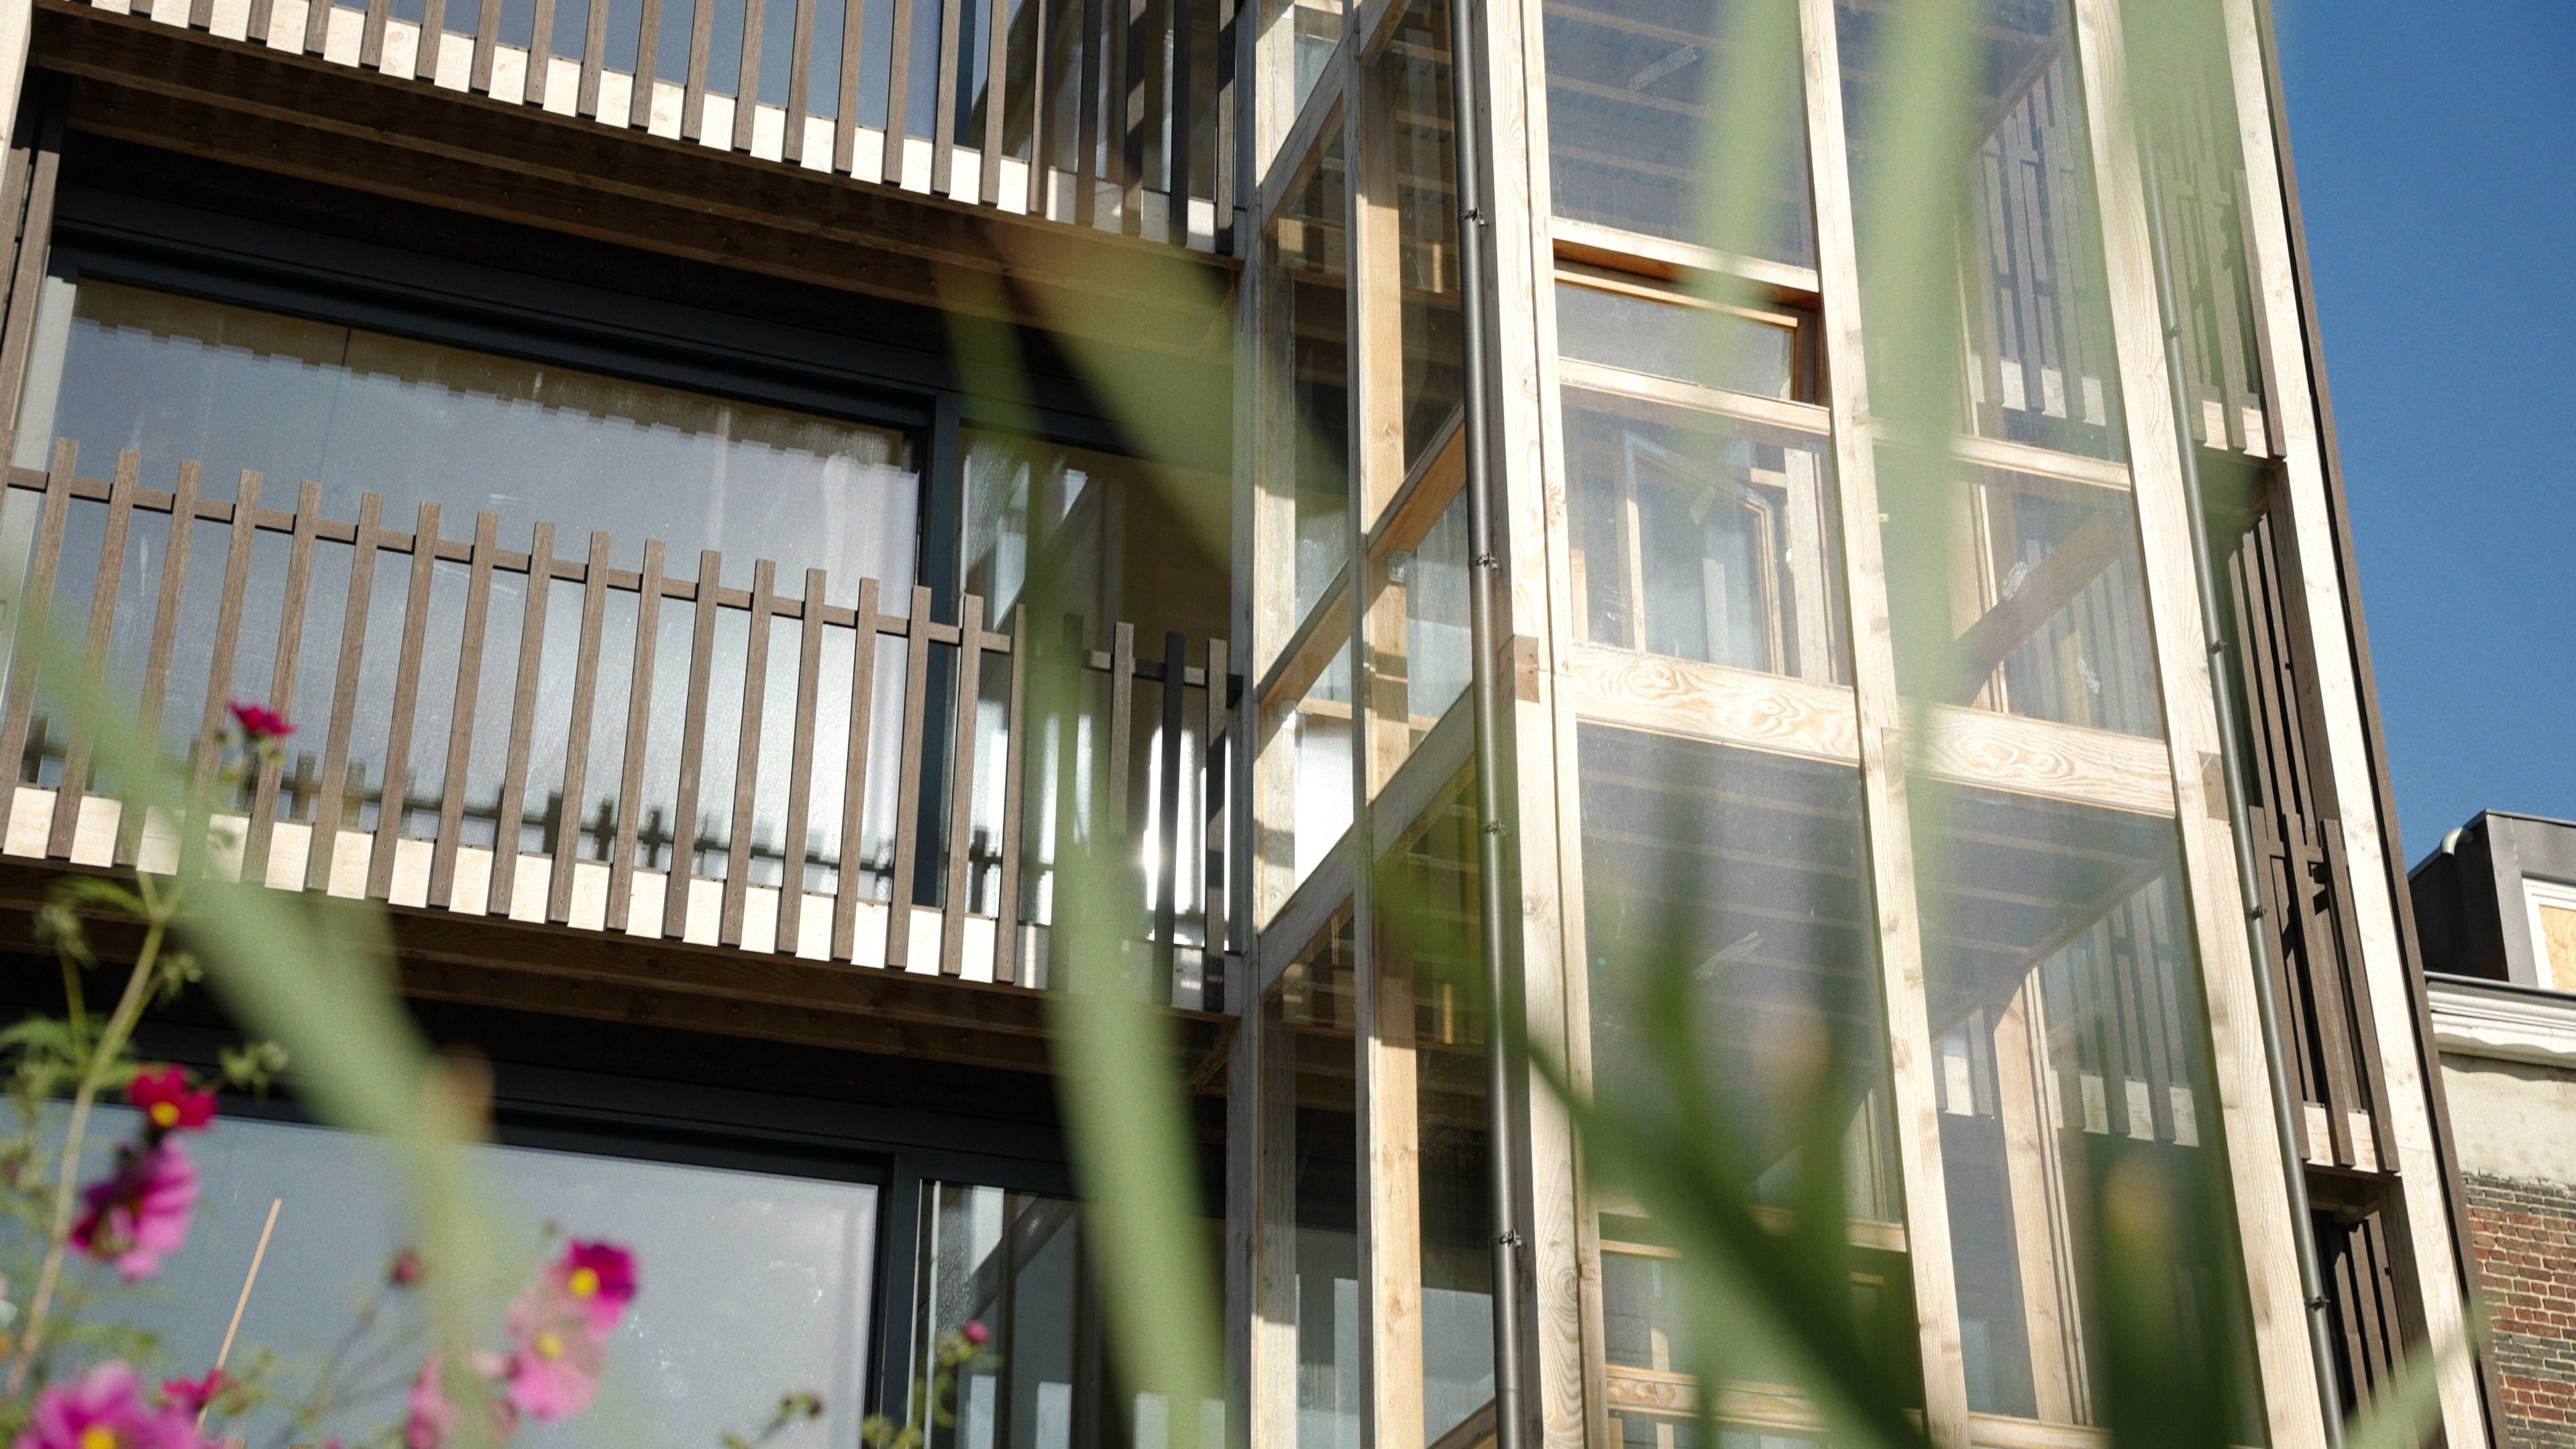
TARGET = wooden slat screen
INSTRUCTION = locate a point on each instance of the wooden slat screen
(955, 879)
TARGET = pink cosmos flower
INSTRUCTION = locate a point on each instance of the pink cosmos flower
(554, 1369)
(191, 1395)
(407, 1268)
(105, 1409)
(431, 1418)
(168, 1103)
(598, 1277)
(260, 723)
(976, 1333)
(140, 1214)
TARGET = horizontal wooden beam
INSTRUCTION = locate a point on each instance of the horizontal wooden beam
(243, 104)
(523, 966)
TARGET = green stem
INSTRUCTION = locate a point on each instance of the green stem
(111, 1046)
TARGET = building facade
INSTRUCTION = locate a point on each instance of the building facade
(654, 446)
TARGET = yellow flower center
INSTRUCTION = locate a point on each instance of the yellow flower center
(549, 1346)
(165, 1115)
(585, 1282)
(98, 1436)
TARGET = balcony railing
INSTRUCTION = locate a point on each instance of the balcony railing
(557, 739)
(1099, 113)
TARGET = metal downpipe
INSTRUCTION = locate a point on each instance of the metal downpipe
(2205, 571)
(1502, 1144)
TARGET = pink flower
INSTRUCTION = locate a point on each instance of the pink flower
(407, 1268)
(260, 723)
(140, 1214)
(976, 1333)
(191, 1395)
(430, 1418)
(168, 1103)
(599, 1277)
(104, 1409)
(554, 1369)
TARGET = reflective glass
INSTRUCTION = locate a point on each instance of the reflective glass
(1306, 752)
(1309, 337)
(1413, 83)
(1626, 328)
(1634, 93)
(1702, 537)
(1312, 1010)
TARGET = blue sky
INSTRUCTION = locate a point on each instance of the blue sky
(2436, 153)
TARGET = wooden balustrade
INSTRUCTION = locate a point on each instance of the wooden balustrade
(777, 836)
(1113, 114)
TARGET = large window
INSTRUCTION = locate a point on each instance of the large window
(753, 1284)
(177, 378)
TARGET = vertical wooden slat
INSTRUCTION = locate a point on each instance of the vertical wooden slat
(1122, 724)
(35, 607)
(281, 675)
(1006, 911)
(1042, 17)
(1119, 117)
(165, 638)
(693, 96)
(746, 768)
(371, 41)
(487, 36)
(594, 59)
(997, 96)
(961, 777)
(854, 787)
(1145, 100)
(1086, 163)
(746, 97)
(907, 819)
(460, 718)
(576, 776)
(800, 766)
(1179, 115)
(513, 807)
(1227, 71)
(648, 45)
(317, 27)
(255, 27)
(228, 612)
(93, 676)
(693, 744)
(943, 124)
(1167, 814)
(394, 795)
(433, 36)
(639, 716)
(898, 94)
(43, 170)
(541, 54)
(845, 114)
(800, 70)
(328, 810)
(1219, 740)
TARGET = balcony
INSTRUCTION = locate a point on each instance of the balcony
(639, 779)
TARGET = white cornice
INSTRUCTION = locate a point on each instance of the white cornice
(2510, 1023)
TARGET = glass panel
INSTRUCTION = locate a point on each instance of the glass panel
(1309, 334)
(1427, 914)
(2022, 594)
(1632, 96)
(1013, 1261)
(1674, 337)
(2036, 328)
(1312, 1011)
(2078, 1120)
(1306, 755)
(232, 388)
(1113, 538)
(1419, 657)
(1297, 38)
(753, 1284)
(1413, 85)
(1747, 871)
(1702, 537)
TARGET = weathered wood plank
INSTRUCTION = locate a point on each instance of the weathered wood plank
(854, 780)
(639, 719)
(393, 799)
(576, 775)
(907, 820)
(512, 808)
(746, 769)
(460, 719)
(330, 808)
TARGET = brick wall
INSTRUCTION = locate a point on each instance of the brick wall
(2525, 1233)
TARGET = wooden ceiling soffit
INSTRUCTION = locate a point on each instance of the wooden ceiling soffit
(301, 116)
(557, 970)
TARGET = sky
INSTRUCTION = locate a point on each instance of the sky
(2436, 155)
